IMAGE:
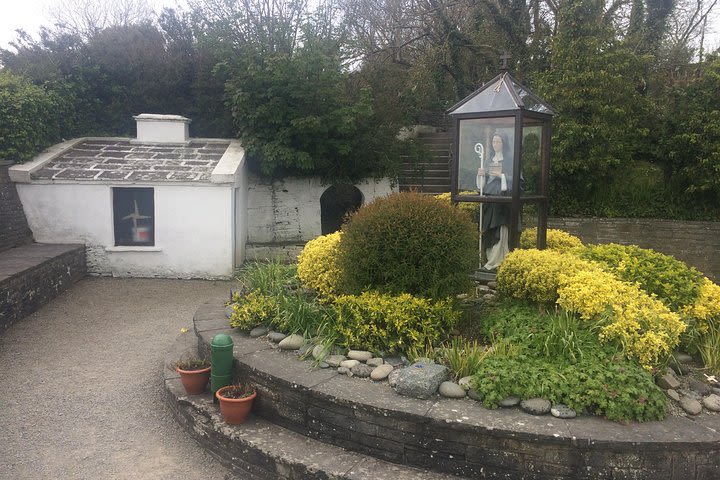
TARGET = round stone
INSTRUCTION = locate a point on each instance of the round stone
(474, 395)
(535, 406)
(375, 362)
(359, 355)
(699, 386)
(464, 382)
(673, 394)
(293, 342)
(349, 363)
(381, 372)
(323, 365)
(229, 311)
(334, 360)
(394, 361)
(276, 337)
(317, 352)
(343, 370)
(690, 405)
(361, 370)
(562, 411)
(492, 284)
(452, 390)
(712, 403)
(509, 402)
(260, 331)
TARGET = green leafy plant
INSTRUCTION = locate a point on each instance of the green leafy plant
(270, 277)
(297, 313)
(408, 243)
(709, 347)
(462, 357)
(556, 239)
(190, 363)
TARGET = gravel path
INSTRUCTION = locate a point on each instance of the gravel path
(81, 392)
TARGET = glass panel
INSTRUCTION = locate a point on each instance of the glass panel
(133, 214)
(528, 225)
(530, 100)
(486, 147)
(492, 98)
(530, 158)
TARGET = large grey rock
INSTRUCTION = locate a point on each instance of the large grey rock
(535, 406)
(359, 355)
(393, 376)
(420, 380)
(452, 390)
(293, 342)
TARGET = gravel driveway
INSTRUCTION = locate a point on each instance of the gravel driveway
(81, 393)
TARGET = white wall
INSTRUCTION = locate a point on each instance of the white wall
(284, 214)
(193, 228)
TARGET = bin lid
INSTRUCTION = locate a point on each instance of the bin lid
(221, 340)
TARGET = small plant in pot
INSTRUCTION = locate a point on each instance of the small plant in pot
(236, 402)
(194, 374)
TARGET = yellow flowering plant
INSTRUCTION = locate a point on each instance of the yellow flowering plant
(644, 326)
(252, 310)
(556, 239)
(317, 264)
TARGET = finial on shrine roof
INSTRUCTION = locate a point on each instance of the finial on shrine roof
(504, 59)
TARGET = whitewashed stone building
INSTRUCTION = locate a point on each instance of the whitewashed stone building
(166, 205)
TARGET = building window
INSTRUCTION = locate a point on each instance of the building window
(134, 216)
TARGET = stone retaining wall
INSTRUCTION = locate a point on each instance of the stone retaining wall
(35, 282)
(14, 229)
(460, 436)
(696, 243)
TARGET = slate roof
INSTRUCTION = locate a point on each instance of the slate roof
(125, 160)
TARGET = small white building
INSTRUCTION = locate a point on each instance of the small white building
(166, 205)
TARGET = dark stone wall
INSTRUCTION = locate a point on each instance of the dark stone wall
(31, 287)
(696, 243)
(14, 229)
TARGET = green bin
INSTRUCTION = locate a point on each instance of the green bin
(221, 351)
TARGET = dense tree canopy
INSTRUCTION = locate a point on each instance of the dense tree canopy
(323, 89)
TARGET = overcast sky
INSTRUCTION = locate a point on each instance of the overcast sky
(31, 14)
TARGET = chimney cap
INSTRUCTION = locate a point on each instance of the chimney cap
(156, 117)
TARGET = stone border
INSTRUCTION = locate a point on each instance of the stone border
(460, 436)
(259, 449)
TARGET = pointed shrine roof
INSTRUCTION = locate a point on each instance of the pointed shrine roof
(501, 93)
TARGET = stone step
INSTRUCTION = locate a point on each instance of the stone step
(259, 449)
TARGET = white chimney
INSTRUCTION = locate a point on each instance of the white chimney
(156, 128)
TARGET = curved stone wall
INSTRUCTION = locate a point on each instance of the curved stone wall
(460, 436)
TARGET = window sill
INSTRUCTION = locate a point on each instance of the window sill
(129, 248)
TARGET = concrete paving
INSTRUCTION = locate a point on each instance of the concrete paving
(81, 384)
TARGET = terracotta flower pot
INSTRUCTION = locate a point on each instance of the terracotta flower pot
(194, 381)
(234, 410)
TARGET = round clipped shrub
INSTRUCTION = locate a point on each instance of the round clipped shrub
(556, 239)
(318, 264)
(408, 243)
(535, 274)
(675, 284)
(384, 323)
